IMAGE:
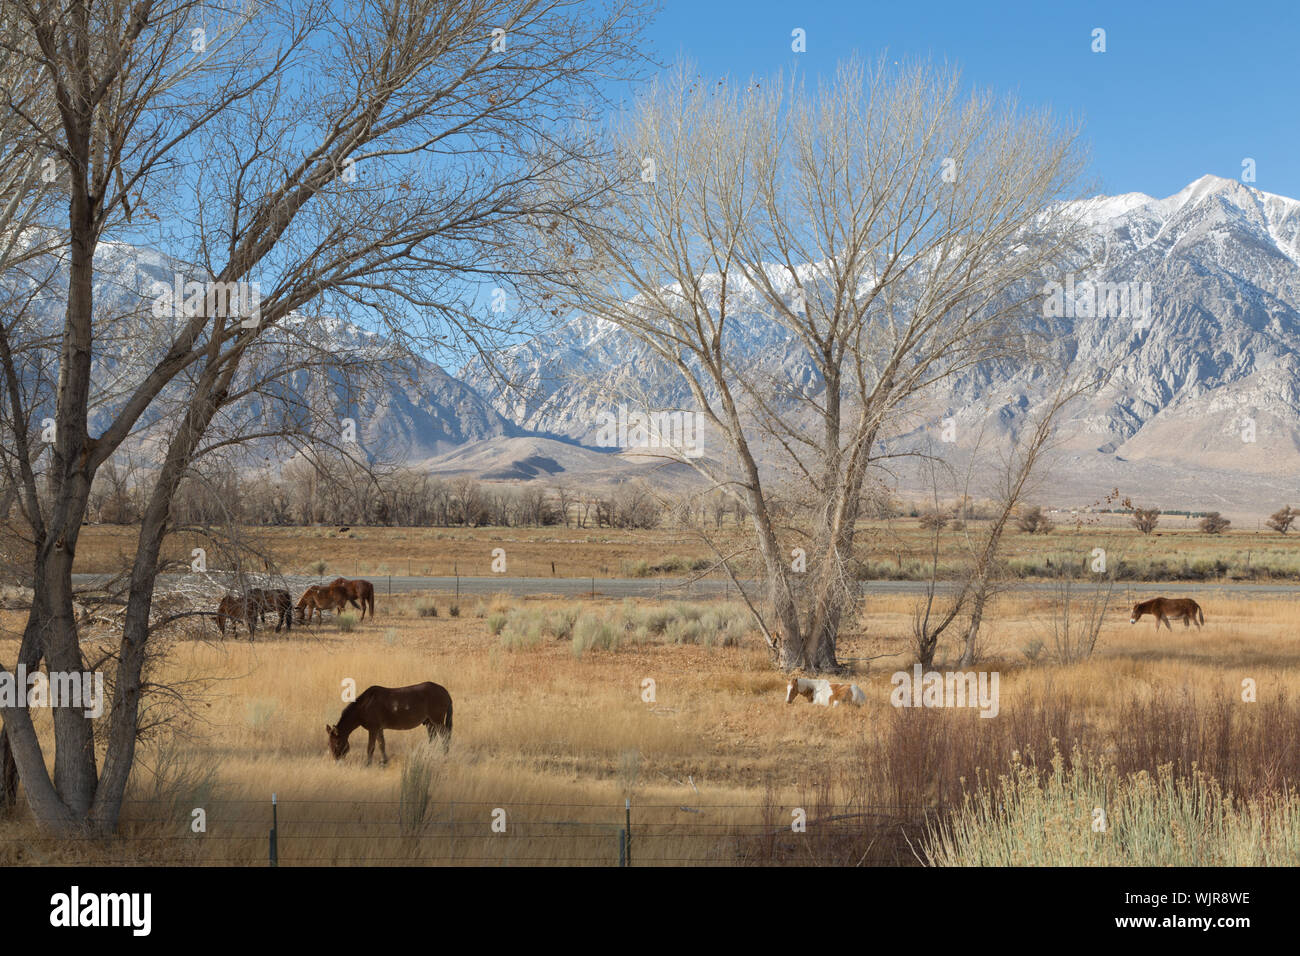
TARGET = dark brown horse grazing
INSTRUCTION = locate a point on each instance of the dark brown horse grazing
(1163, 608)
(358, 590)
(393, 708)
(235, 608)
(275, 600)
(320, 598)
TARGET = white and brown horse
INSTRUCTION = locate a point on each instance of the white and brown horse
(824, 692)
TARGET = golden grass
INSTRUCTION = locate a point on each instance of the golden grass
(557, 740)
(889, 549)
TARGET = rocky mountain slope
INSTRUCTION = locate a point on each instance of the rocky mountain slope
(1202, 405)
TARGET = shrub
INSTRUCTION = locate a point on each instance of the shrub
(420, 775)
(1033, 521)
(1025, 819)
(933, 520)
(592, 633)
(1214, 523)
(347, 623)
(495, 623)
(1146, 519)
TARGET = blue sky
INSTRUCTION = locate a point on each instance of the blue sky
(1183, 89)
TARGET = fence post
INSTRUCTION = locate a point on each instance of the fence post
(622, 848)
(627, 829)
(275, 827)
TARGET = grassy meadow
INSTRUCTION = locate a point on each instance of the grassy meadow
(557, 723)
(899, 549)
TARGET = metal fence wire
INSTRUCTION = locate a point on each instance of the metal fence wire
(478, 833)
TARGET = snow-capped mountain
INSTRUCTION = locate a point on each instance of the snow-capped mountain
(1203, 400)
(319, 369)
(1201, 408)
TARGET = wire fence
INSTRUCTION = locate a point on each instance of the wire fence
(233, 832)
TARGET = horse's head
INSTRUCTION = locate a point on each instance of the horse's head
(303, 602)
(1134, 614)
(792, 690)
(338, 743)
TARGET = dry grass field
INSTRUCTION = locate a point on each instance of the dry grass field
(551, 738)
(888, 549)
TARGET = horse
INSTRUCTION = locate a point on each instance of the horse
(358, 590)
(275, 600)
(236, 609)
(318, 599)
(823, 692)
(393, 708)
(1163, 608)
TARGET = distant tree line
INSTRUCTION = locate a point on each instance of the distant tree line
(343, 494)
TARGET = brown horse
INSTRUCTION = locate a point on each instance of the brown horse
(358, 590)
(235, 608)
(393, 708)
(1163, 608)
(320, 598)
(275, 600)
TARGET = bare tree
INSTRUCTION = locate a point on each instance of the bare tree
(1020, 472)
(1280, 520)
(386, 159)
(1146, 519)
(870, 221)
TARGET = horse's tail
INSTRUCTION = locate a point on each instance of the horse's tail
(370, 599)
(445, 734)
(1200, 615)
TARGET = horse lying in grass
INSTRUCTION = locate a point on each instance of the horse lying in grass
(823, 692)
(318, 599)
(358, 590)
(1163, 608)
(393, 708)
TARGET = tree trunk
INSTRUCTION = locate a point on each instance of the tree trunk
(976, 618)
(8, 776)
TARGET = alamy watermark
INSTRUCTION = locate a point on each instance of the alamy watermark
(184, 299)
(83, 689)
(1094, 298)
(951, 689)
(677, 431)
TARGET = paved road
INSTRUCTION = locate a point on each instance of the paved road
(684, 587)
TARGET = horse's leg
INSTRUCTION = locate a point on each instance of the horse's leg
(370, 748)
(428, 726)
(383, 750)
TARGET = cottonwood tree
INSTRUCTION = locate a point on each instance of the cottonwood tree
(387, 158)
(889, 229)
